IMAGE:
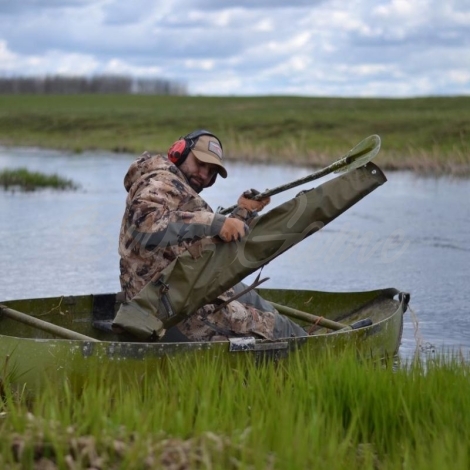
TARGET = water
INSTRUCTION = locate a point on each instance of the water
(412, 233)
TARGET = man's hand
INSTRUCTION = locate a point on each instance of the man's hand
(245, 201)
(233, 229)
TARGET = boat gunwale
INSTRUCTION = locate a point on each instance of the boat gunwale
(401, 307)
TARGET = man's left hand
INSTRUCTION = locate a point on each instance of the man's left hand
(246, 202)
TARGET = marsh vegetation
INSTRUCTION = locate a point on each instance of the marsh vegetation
(26, 180)
(427, 135)
(311, 411)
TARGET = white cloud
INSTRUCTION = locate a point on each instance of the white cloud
(460, 77)
(207, 65)
(6, 56)
(361, 47)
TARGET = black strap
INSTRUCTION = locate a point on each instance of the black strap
(193, 136)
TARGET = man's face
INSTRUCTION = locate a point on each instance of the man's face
(198, 174)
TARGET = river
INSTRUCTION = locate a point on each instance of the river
(412, 233)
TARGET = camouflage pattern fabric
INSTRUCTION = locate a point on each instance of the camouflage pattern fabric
(164, 217)
(250, 315)
(236, 319)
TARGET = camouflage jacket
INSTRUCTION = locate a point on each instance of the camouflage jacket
(163, 216)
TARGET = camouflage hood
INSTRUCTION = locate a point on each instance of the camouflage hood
(147, 164)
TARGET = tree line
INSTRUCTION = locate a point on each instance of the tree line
(116, 84)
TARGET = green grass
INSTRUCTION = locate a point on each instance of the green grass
(31, 180)
(309, 412)
(422, 134)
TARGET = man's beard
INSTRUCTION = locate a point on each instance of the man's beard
(193, 182)
(196, 185)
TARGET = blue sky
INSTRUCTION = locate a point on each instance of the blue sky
(389, 48)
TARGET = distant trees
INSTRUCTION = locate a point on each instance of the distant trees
(118, 84)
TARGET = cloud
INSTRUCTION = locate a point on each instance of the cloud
(250, 4)
(33, 6)
(362, 48)
(118, 12)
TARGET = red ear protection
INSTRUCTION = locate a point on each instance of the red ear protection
(180, 149)
(177, 151)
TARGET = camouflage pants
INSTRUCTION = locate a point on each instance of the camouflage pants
(251, 316)
(233, 320)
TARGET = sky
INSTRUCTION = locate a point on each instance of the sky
(361, 48)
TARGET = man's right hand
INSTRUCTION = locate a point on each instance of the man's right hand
(247, 202)
(233, 229)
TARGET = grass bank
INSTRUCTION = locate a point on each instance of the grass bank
(430, 135)
(308, 412)
(27, 180)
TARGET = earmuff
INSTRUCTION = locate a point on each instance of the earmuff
(179, 151)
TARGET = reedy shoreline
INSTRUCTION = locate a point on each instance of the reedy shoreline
(424, 135)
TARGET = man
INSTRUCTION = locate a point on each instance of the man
(181, 264)
(165, 217)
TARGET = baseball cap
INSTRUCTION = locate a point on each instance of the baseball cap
(208, 150)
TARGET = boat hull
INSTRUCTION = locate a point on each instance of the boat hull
(33, 357)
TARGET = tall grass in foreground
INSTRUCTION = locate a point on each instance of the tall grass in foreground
(306, 412)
